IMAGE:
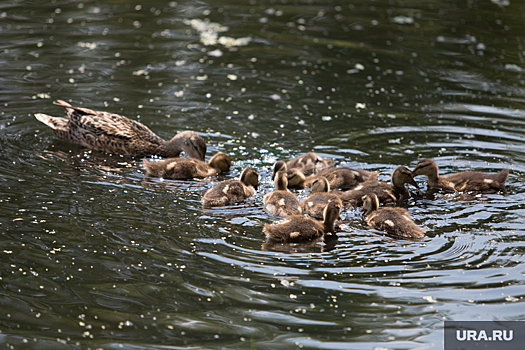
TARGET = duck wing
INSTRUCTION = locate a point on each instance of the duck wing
(111, 125)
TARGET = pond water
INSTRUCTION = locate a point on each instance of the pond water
(94, 256)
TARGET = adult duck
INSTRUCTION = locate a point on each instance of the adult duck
(230, 192)
(394, 222)
(188, 168)
(462, 181)
(114, 133)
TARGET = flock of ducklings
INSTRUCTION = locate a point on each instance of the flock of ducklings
(307, 221)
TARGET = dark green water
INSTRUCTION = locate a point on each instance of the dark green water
(94, 257)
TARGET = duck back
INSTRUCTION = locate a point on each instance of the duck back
(474, 181)
(343, 178)
(385, 193)
(281, 203)
(298, 229)
(395, 222)
(227, 193)
(315, 203)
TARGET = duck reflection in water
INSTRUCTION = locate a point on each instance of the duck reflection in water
(99, 165)
(325, 245)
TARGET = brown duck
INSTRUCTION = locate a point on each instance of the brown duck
(396, 191)
(343, 178)
(394, 222)
(301, 229)
(296, 177)
(109, 132)
(309, 163)
(314, 204)
(281, 202)
(188, 168)
(230, 192)
(462, 181)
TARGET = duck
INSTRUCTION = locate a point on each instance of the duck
(188, 168)
(281, 202)
(343, 178)
(302, 229)
(296, 177)
(394, 192)
(309, 163)
(230, 192)
(393, 221)
(462, 181)
(114, 133)
(319, 197)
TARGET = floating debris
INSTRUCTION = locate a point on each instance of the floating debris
(209, 34)
(403, 20)
(91, 46)
(430, 299)
(513, 67)
(231, 42)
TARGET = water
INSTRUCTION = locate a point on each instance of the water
(95, 256)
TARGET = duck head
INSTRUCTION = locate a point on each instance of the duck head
(250, 177)
(220, 161)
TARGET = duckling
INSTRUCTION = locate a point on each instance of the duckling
(300, 229)
(109, 132)
(230, 192)
(343, 178)
(309, 163)
(188, 168)
(462, 181)
(385, 192)
(393, 221)
(319, 197)
(281, 202)
(296, 177)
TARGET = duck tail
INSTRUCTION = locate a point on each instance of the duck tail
(55, 123)
(62, 104)
(70, 109)
(502, 176)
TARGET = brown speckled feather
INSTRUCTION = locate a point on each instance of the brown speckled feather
(110, 132)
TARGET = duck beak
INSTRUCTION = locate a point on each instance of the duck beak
(414, 174)
(414, 183)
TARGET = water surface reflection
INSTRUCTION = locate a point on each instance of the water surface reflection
(94, 255)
